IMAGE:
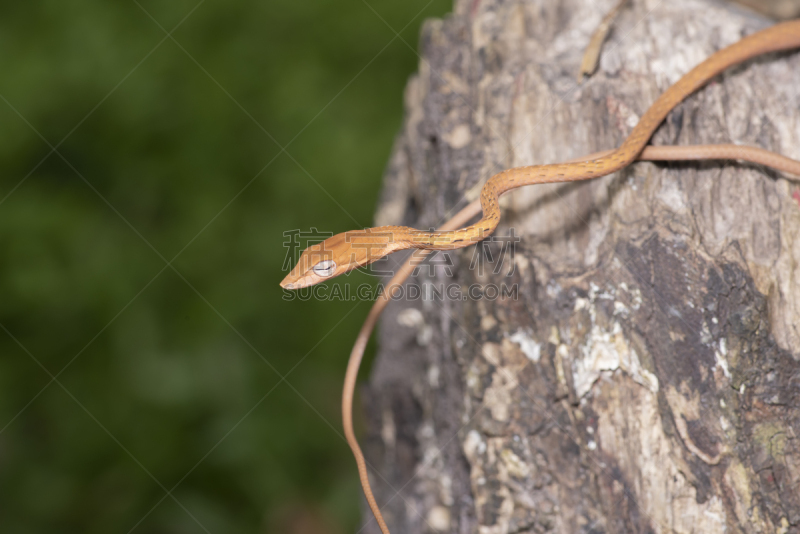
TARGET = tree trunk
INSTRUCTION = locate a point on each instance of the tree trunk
(645, 375)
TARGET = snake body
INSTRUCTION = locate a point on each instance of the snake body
(780, 37)
(339, 254)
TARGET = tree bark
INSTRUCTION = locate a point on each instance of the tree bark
(646, 375)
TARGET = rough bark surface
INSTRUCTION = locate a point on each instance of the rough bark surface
(646, 375)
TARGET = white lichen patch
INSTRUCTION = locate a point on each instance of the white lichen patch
(439, 518)
(705, 334)
(413, 318)
(721, 362)
(634, 297)
(553, 289)
(596, 293)
(458, 137)
(529, 347)
(474, 445)
(410, 317)
(606, 350)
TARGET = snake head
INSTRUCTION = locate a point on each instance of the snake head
(338, 255)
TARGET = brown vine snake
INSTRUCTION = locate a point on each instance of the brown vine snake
(350, 250)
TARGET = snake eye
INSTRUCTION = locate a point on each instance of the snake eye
(325, 268)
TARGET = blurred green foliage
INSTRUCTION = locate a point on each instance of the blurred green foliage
(165, 377)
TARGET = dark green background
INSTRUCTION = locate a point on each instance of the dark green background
(166, 376)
